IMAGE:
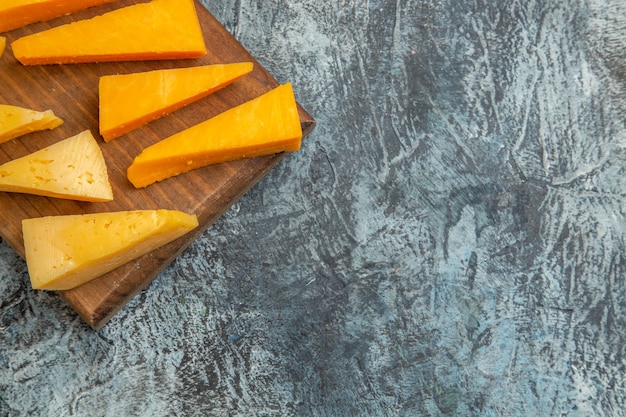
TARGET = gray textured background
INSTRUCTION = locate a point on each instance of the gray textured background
(448, 242)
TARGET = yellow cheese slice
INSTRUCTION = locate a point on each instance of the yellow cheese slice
(3, 44)
(265, 125)
(160, 29)
(73, 168)
(63, 252)
(17, 121)
(18, 13)
(128, 101)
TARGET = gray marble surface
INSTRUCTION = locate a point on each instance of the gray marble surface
(448, 242)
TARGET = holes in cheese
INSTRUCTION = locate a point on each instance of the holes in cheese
(73, 168)
(265, 125)
(128, 101)
(18, 121)
(160, 29)
(63, 252)
(18, 13)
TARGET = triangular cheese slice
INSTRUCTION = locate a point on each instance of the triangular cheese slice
(63, 252)
(73, 168)
(3, 44)
(266, 125)
(128, 101)
(18, 13)
(17, 121)
(160, 29)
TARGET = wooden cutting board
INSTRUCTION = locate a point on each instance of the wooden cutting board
(71, 92)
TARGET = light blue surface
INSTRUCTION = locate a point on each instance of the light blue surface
(448, 242)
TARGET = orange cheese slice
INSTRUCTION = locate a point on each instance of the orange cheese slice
(128, 101)
(18, 13)
(17, 121)
(160, 29)
(63, 252)
(266, 125)
(73, 168)
(3, 44)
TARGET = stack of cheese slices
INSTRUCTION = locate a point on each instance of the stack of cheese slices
(65, 251)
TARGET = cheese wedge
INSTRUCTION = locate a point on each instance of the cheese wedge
(266, 125)
(3, 44)
(73, 168)
(18, 121)
(128, 101)
(160, 29)
(63, 252)
(17, 13)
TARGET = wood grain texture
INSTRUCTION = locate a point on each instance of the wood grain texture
(71, 92)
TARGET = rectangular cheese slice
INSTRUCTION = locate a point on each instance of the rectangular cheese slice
(160, 29)
(63, 252)
(73, 168)
(17, 121)
(265, 125)
(3, 44)
(17, 13)
(128, 101)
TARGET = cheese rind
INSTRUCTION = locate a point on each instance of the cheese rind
(73, 168)
(160, 29)
(17, 13)
(128, 101)
(17, 121)
(265, 125)
(63, 252)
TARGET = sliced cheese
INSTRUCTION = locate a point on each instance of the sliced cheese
(266, 125)
(3, 44)
(128, 101)
(73, 168)
(18, 13)
(17, 121)
(160, 29)
(63, 252)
